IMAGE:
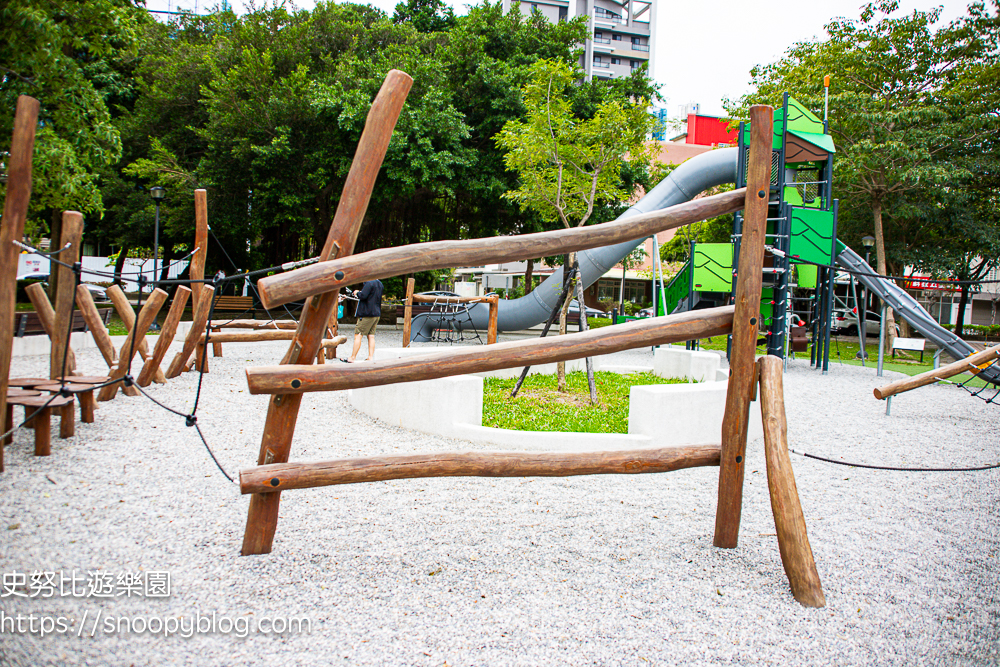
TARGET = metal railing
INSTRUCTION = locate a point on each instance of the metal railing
(599, 63)
(640, 47)
(602, 40)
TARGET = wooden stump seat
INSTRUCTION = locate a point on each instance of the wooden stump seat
(43, 406)
(84, 393)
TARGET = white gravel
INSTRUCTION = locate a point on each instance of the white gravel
(600, 570)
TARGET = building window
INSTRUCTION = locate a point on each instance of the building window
(563, 13)
(598, 35)
(617, 38)
(616, 61)
(634, 63)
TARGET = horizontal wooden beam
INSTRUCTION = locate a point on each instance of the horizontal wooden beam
(283, 476)
(256, 324)
(387, 262)
(426, 298)
(293, 379)
(971, 364)
(260, 337)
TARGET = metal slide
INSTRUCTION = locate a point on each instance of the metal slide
(911, 311)
(683, 184)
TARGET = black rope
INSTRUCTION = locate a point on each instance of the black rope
(893, 468)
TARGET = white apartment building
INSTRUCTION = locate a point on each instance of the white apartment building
(622, 34)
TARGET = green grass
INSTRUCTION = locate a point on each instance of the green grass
(539, 407)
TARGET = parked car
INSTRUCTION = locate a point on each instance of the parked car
(845, 322)
(439, 293)
(96, 291)
(574, 309)
(647, 312)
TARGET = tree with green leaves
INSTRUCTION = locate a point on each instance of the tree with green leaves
(893, 111)
(567, 164)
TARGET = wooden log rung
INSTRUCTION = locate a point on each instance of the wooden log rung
(295, 378)
(284, 476)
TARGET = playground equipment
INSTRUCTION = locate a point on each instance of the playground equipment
(319, 283)
(450, 312)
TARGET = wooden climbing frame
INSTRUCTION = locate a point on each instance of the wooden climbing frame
(319, 284)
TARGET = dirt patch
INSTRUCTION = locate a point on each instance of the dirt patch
(547, 396)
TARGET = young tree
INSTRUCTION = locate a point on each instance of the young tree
(567, 164)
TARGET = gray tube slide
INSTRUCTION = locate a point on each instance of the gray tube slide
(683, 184)
(901, 302)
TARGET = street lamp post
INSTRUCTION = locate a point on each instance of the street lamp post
(158, 194)
(868, 242)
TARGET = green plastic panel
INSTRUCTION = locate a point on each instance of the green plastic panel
(676, 289)
(766, 307)
(807, 274)
(821, 141)
(812, 235)
(713, 267)
(800, 119)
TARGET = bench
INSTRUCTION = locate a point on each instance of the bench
(29, 324)
(242, 304)
(912, 344)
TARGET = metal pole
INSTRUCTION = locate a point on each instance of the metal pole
(881, 340)
(861, 326)
(156, 257)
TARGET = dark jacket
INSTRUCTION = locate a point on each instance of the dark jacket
(370, 299)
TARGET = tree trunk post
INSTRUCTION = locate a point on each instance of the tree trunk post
(742, 370)
(15, 212)
(197, 267)
(72, 231)
(408, 312)
(789, 521)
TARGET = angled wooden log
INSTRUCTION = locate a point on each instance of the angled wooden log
(47, 317)
(198, 321)
(15, 212)
(742, 371)
(146, 317)
(974, 363)
(72, 232)
(276, 441)
(197, 267)
(789, 521)
(85, 302)
(282, 476)
(387, 262)
(292, 379)
(127, 315)
(166, 337)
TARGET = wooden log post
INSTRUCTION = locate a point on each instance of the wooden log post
(282, 476)
(295, 379)
(276, 441)
(408, 312)
(85, 302)
(146, 317)
(789, 521)
(197, 266)
(387, 262)
(15, 212)
(60, 359)
(216, 345)
(198, 321)
(491, 330)
(166, 336)
(974, 363)
(46, 316)
(127, 315)
(742, 371)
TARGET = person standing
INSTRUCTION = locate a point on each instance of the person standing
(368, 313)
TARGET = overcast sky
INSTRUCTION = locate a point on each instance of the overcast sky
(704, 51)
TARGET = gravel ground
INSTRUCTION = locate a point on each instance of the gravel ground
(601, 570)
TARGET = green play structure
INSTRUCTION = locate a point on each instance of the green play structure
(802, 222)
